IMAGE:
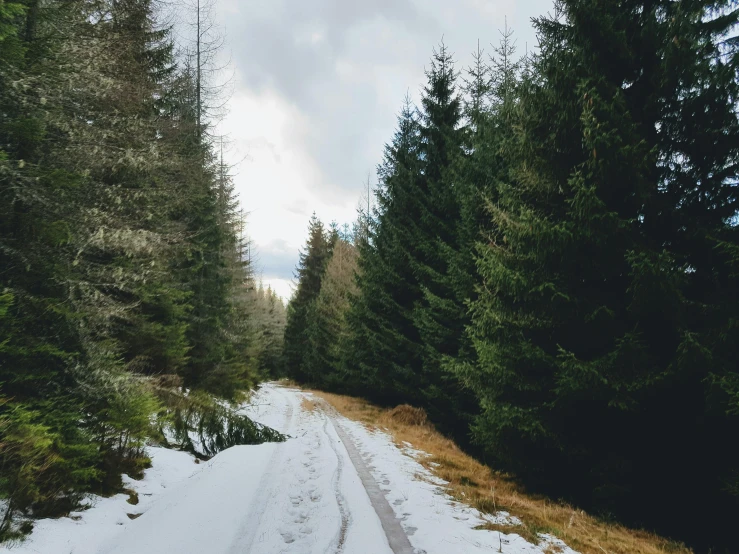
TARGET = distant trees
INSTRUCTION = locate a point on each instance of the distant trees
(328, 328)
(317, 326)
(120, 251)
(553, 259)
(405, 315)
(268, 320)
(310, 270)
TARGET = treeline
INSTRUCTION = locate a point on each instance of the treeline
(122, 252)
(316, 328)
(552, 268)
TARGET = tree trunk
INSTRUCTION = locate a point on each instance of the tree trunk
(32, 20)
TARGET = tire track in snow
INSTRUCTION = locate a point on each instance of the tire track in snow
(394, 532)
(340, 500)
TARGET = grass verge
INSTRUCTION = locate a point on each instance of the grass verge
(477, 485)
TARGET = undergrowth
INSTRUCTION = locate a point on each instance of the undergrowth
(156, 410)
(203, 425)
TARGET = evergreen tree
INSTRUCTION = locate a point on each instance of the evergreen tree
(590, 339)
(119, 254)
(382, 354)
(269, 319)
(310, 271)
(490, 92)
(71, 416)
(327, 328)
(440, 314)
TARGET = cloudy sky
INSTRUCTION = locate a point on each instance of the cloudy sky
(317, 88)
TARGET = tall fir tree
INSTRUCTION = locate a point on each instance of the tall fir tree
(310, 270)
(490, 92)
(268, 322)
(76, 194)
(116, 256)
(382, 357)
(327, 325)
(440, 314)
(600, 291)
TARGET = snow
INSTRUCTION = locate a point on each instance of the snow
(434, 522)
(310, 501)
(304, 496)
(85, 531)
(204, 514)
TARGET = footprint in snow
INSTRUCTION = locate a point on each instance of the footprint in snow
(300, 517)
(288, 537)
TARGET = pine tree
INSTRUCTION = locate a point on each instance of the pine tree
(381, 358)
(269, 318)
(327, 328)
(310, 270)
(585, 327)
(116, 256)
(70, 413)
(440, 314)
(490, 99)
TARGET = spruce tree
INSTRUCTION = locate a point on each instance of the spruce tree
(71, 416)
(440, 314)
(311, 267)
(113, 247)
(268, 321)
(592, 347)
(327, 328)
(382, 354)
(490, 98)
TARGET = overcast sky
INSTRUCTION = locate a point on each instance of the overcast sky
(317, 88)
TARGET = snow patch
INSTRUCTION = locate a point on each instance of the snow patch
(434, 522)
(203, 514)
(303, 496)
(83, 532)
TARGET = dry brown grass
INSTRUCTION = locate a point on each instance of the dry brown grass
(288, 383)
(133, 497)
(489, 491)
(408, 415)
(308, 405)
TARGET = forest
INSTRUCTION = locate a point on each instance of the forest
(551, 265)
(548, 265)
(123, 266)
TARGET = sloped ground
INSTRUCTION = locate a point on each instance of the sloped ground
(334, 486)
(492, 494)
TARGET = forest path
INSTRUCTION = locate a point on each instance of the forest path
(302, 496)
(335, 486)
(311, 498)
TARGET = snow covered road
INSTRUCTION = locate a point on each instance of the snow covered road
(333, 487)
(310, 499)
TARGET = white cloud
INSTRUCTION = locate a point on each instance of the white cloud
(318, 86)
(283, 287)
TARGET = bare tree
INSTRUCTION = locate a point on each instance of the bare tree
(205, 52)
